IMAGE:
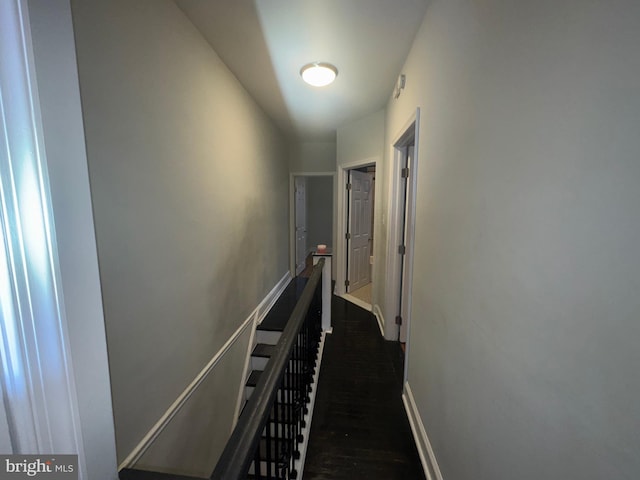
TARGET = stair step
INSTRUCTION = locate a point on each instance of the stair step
(252, 381)
(254, 378)
(270, 337)
(261, 355)
(267, 351)
(263, 350)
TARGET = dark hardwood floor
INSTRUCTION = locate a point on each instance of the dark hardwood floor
(359, 427)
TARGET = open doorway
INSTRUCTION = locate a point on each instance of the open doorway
(401, 235)
(360, 223)
(300, 225)
(311, 216)
(356, 196)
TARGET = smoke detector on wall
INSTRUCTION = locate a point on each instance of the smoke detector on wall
(399, 85)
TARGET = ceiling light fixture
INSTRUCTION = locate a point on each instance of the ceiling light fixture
(319, 74)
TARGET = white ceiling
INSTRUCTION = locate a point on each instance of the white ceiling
(266, 42)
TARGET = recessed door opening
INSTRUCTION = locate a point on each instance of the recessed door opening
(300, 195)
(359, 206)
(312, 217)
(361, 198)
(407, 154)
(401, 235)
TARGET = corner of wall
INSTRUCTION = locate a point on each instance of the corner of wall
(377, 311)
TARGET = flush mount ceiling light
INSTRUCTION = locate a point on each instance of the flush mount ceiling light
(319, 74)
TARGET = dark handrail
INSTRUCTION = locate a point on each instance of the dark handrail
(237, 455)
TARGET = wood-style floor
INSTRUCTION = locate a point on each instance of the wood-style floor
(359, 427)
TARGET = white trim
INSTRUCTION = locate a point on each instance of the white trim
(341, 228)
(393, 233)
(425, 450)
(377, 311)
(292, 218)
(245, 373)
(160, 425)
(356, 301)
(325, 282)
(395, 205)
(313, 174)
(39, 386)
(299, 464)
(257, 315)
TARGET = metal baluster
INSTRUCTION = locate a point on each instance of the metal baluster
(308, 353)
(257, 470)
(300, 385)
(292, 412)
(268, 438)
(288, 425)
(280, 449)
(277, 424)
(292, 404)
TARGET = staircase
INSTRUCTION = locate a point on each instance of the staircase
(276, 457)
(268, 332)
(270, 438)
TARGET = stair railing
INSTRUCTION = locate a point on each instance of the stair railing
(265, 441)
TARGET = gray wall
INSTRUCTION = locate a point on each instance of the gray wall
(360, 141)
(189, 182)
(312, 157)
(192, 442)
(64, 142)
(524, 337)
(319, 211)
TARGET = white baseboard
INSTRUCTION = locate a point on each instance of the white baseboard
(379, 317)
(425, 451)
(254, 318)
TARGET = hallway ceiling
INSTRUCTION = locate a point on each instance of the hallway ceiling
(266, 42)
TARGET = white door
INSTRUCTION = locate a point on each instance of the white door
(301, 222)
(359, 232)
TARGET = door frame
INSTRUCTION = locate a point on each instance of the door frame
(342, 227)
(409, 132)
(352, 265)
(292, 213)
(299, 258)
